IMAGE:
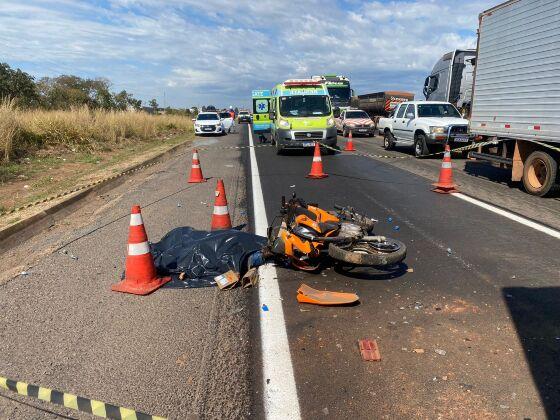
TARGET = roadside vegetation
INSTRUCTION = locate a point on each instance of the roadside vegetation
(23, 132)
(56, 130)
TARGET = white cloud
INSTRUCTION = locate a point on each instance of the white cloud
(215, 52)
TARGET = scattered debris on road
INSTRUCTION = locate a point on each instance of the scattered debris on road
(227, 280)
(369, 350)
(306, 294)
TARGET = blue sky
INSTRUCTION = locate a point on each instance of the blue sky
(202, 52)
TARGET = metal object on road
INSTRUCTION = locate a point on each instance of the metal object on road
(140, 277)
(445, 183)
(86, 405)
(196, 171)
(317, 165)
(220, 216)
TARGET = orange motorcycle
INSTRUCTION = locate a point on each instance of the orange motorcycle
(304, 234)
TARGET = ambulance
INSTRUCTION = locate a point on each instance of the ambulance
(301, 114)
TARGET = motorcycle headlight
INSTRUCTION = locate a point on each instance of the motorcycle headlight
(330, 121)
(438, 130)
(284, 123)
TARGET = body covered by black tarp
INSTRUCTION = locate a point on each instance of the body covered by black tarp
(204, 255)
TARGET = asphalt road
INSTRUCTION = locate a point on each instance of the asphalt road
(171, 353)
(468, 328)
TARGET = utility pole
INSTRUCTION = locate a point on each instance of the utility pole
(164, 100)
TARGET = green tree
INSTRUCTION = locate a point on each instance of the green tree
(17, 85)
(124, 100)
(67, 91)
(153, 104)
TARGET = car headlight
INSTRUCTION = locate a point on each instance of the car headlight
(284, 123)
(197, 125)
(351, 125)
(438, 130)
(330, 121)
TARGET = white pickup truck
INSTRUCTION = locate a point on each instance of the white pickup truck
(427, 126)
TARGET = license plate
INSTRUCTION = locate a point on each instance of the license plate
(362, 130)
(207, 129)
(461, 139)
(308, 144)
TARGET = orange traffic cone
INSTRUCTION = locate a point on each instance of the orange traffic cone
(196, 172)
(349, 143)
(445, 184)
(140, 277)
(220, 217)
(317, 165)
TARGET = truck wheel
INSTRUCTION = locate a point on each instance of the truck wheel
(420, 147)
(388, 140)
(539, 173)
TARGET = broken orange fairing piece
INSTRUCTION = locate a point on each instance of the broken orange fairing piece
(306, 294)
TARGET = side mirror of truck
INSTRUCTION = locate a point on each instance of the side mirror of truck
(271, 115)
(336, 112)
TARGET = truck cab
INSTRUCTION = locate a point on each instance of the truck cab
(451, 79)
(338, 88)
(301, 114)
(426, 126)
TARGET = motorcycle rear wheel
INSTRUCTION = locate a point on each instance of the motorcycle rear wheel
(369, 254)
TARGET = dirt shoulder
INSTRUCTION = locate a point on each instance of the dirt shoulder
(52, 172)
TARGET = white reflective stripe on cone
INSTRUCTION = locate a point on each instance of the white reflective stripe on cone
(316, 159)
(447, 155)
(136, 219)
(196, 166)
(446, 165)
(138, 249)
(220, 210)
(195, 156)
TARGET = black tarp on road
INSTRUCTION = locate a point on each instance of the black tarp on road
(203, 255)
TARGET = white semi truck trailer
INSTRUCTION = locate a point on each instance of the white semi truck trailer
(516, 91)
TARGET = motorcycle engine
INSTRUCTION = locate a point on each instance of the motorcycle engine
(350, 230)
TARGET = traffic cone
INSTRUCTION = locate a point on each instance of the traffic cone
(349, 143)
(196, 172)
(140, 277)
(445, 184)
(317, 165)
(220, 217)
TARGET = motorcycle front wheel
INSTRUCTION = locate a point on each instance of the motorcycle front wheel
(369, 254)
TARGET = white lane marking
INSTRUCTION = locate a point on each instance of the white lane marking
(280, 393)
(511, 216)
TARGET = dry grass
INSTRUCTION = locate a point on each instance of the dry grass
(24, 131)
